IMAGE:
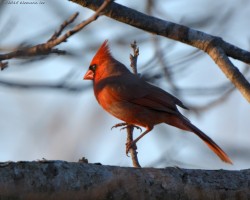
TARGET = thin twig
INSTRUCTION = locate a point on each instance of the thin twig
(62, 27)
(221, 99)
(55, 39)
(43, 86)
(80, 26)
(132, 150)
(160, 56)
(3, 65)
(130, 127)
(133, 58)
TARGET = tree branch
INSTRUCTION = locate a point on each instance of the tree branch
(218, 49)
(56, 39)
(130, 127)
(44, 86)
(64, 180)
(132, 150)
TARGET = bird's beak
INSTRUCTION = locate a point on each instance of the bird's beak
(89, 75)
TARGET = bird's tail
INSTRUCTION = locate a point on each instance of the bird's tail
(183, 123)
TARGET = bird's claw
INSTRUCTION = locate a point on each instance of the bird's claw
(137, 127)
(126, 125)
(130, 144)
(118, 125)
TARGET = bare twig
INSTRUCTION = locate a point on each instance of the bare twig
(40, 49)
(132, 150)
(43, 86)
(3, 65)
(166, 73)
(133, 58)
(62, 27)
(229, 90)
(130, 127)
(222, 98)
(47, 48)
(215, 47)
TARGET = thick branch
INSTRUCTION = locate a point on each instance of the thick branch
(232, 72)
(164, 28)
(198, 39)
(63, 180)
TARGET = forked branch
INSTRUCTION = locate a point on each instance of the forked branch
(56, 39)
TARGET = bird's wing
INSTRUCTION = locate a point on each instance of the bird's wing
(135, 90)
(158, 99)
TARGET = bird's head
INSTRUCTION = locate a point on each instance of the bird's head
(100, 61)
(103, 65)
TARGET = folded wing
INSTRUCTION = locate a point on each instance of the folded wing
(135, 90)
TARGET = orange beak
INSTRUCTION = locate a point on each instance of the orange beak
(89, 75)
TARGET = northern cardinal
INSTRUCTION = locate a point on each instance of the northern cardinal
(135, 101)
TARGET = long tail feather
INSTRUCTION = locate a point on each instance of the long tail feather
(185, 124)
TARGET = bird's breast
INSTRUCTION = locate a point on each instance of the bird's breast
(105, 97)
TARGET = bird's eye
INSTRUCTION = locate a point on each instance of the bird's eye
(92, 67)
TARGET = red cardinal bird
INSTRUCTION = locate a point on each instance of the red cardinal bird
(134, 101)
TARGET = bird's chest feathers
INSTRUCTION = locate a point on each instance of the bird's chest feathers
(106, 95)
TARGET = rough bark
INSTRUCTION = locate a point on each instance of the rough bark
(64, 180)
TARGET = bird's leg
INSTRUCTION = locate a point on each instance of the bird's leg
(130, 144)
(125, 126)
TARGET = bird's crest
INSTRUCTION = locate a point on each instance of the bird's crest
(103, 53)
